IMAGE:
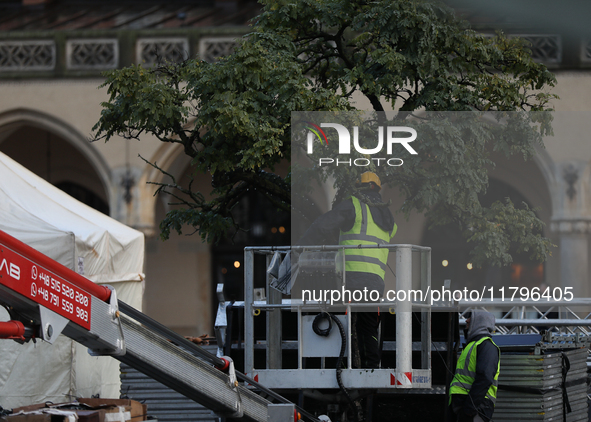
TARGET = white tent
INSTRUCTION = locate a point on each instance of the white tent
(86, 241)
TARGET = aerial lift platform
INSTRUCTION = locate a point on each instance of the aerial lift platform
(285, 349)
(309, 344)
(46, 299)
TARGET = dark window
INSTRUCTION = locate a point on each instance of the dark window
(264, 225)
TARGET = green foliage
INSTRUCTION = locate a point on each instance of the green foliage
(232, 117)
(502, 225)
(416, 53)
(143, 101)
(413, 56)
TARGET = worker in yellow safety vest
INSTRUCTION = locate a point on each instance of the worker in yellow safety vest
(473, 390)
(361, 219)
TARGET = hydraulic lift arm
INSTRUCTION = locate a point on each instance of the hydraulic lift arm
(44, 299)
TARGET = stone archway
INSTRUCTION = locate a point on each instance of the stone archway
(184, 270)
(57, 152)
(521, 181)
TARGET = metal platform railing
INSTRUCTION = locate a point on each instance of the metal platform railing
(275, 376)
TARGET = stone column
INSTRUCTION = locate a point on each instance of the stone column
(571, 220)
(573, 251)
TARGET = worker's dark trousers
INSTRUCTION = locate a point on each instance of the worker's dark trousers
(476, 418)
(367, 326)
(462, 417)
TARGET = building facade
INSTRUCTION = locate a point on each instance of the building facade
(52, 54)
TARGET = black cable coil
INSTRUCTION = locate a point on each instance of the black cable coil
(315, 324)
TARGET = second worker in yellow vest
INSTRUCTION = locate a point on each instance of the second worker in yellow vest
(473, 390)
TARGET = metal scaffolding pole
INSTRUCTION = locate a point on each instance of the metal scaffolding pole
(404, 316)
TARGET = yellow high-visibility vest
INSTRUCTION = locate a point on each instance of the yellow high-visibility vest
(366, 232)
(466, 372)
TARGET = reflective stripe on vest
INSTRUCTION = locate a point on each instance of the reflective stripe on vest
(366, 232)
(466, 372)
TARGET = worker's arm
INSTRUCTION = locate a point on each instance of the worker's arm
(325, 229)
(486, 368)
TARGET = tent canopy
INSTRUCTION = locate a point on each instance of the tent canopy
(86, 241)
(72, 233)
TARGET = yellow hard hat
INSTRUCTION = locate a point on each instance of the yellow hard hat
(369, 177)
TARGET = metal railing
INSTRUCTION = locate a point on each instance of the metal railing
(274, 304)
